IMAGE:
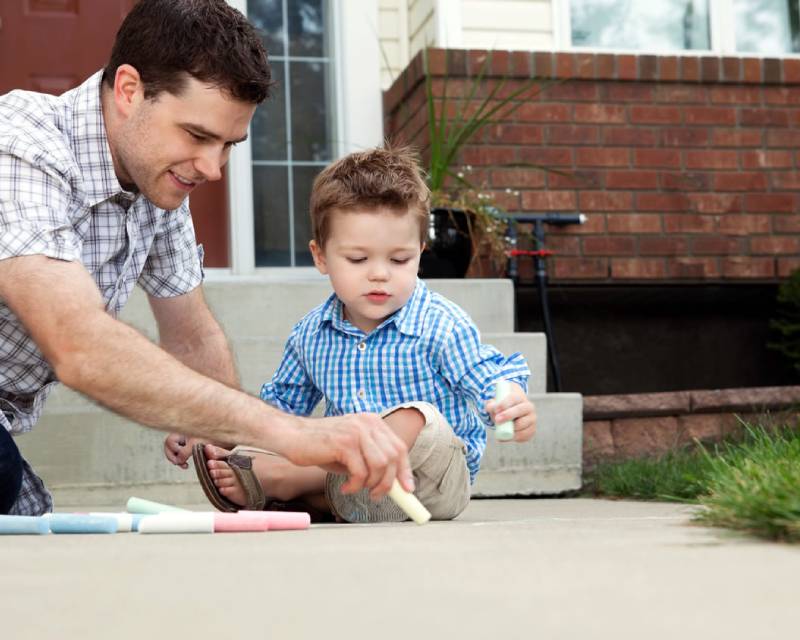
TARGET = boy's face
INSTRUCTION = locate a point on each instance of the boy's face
(372, 259)
(168, 145)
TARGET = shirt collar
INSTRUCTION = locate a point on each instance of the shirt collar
(409, 319)
(90, 143)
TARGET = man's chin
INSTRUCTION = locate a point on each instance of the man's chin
(165, 202)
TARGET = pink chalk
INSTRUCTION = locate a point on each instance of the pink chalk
(286, 520)
(261, 521)
(241, 521)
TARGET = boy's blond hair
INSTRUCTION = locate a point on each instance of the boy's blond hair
(387, 177)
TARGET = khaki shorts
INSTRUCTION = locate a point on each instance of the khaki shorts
(439, 463)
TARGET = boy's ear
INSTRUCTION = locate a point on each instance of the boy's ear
(319, 257)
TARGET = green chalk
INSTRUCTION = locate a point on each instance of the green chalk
(140, 505)
(504, 431)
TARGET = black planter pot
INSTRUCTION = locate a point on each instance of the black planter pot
(449, 249)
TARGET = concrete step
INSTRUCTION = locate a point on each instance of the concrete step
(269, 307)
(548, 464)
(257, 359)
(94, 457)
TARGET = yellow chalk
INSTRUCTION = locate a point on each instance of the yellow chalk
(409, 503)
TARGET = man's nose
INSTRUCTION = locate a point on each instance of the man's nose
(209, 163)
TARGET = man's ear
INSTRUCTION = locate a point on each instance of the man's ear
(128, 89)
(319, 257)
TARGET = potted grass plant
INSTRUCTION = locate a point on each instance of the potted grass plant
(468, 228)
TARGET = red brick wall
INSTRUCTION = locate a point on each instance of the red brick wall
(688, 168)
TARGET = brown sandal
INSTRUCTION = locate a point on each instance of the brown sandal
(242, 467)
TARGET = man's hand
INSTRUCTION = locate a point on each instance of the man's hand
(515, 406)
(361, 445)
(178, 449)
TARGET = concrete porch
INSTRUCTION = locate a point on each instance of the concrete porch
(88, 455)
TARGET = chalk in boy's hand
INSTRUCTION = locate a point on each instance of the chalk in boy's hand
(512, 412)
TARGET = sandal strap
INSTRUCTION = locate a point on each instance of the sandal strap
(242, 467)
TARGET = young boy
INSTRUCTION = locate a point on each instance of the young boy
(383, 343)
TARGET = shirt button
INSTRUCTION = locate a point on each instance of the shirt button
(362, 346)
(362, 394)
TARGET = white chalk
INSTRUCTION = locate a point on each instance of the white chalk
(187, 522)
(124, 520)
(505, 430)
(409, 503)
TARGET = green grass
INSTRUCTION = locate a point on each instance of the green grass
(751, 486)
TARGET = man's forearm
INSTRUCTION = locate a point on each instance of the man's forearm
(119, 368)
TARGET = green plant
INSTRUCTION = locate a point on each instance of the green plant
(787, 323)
(448, 180)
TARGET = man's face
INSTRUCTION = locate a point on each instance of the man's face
(168, 145)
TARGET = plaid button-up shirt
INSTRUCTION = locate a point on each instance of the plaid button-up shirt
(60, 197)
(429, 351)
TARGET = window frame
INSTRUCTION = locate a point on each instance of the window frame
(357, 118)
(722, 35)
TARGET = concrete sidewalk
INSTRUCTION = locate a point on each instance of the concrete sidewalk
(547, 569)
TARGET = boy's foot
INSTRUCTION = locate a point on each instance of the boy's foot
(279, 478)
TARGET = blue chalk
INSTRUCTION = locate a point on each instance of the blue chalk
(80, 523)
(11, 525)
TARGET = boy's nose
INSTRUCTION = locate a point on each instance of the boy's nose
(379, 272)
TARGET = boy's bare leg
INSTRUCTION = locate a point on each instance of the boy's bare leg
(285, 481)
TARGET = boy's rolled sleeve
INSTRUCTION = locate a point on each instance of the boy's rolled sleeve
(474, 368)
(291, 389)
(34, 212)
(175, 263)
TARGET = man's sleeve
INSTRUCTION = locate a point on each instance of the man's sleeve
(175, 263)
(34, 212)
(472, 368)
(291, 389)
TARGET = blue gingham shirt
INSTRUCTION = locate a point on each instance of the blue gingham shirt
(60, 197)
(429, 350)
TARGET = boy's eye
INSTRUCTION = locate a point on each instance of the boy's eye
(356, 260)
(400, 260)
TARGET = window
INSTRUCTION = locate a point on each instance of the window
(292, 133)
(761, 27)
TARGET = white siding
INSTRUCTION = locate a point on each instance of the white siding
(393, 31)
(421, 25)
(507, 24)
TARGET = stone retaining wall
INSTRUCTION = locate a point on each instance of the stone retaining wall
(618, 427)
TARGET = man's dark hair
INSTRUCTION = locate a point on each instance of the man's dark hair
(207, 39)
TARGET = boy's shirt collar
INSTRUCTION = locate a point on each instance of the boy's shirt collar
(409, 319)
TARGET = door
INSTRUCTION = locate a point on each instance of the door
(53, 45)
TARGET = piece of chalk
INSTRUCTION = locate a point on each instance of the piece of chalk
(81, 523)
(124, 520)
(287, 520)
(505, 430)
(23, 525)
(240, 522)
(409, 503)
(140, 505)
(172, 522)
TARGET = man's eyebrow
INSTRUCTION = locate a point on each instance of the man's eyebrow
(196, 128)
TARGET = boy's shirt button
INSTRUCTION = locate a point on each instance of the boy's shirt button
(362, 394)
(362, 346)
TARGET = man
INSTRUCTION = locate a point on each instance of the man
(93, 199)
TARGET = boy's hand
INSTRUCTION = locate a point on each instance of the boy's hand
(515, 406)
(178, 449)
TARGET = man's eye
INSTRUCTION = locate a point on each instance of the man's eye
(197, 136)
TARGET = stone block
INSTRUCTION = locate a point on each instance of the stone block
(598, 442)
(635, 405)
(642, 437)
